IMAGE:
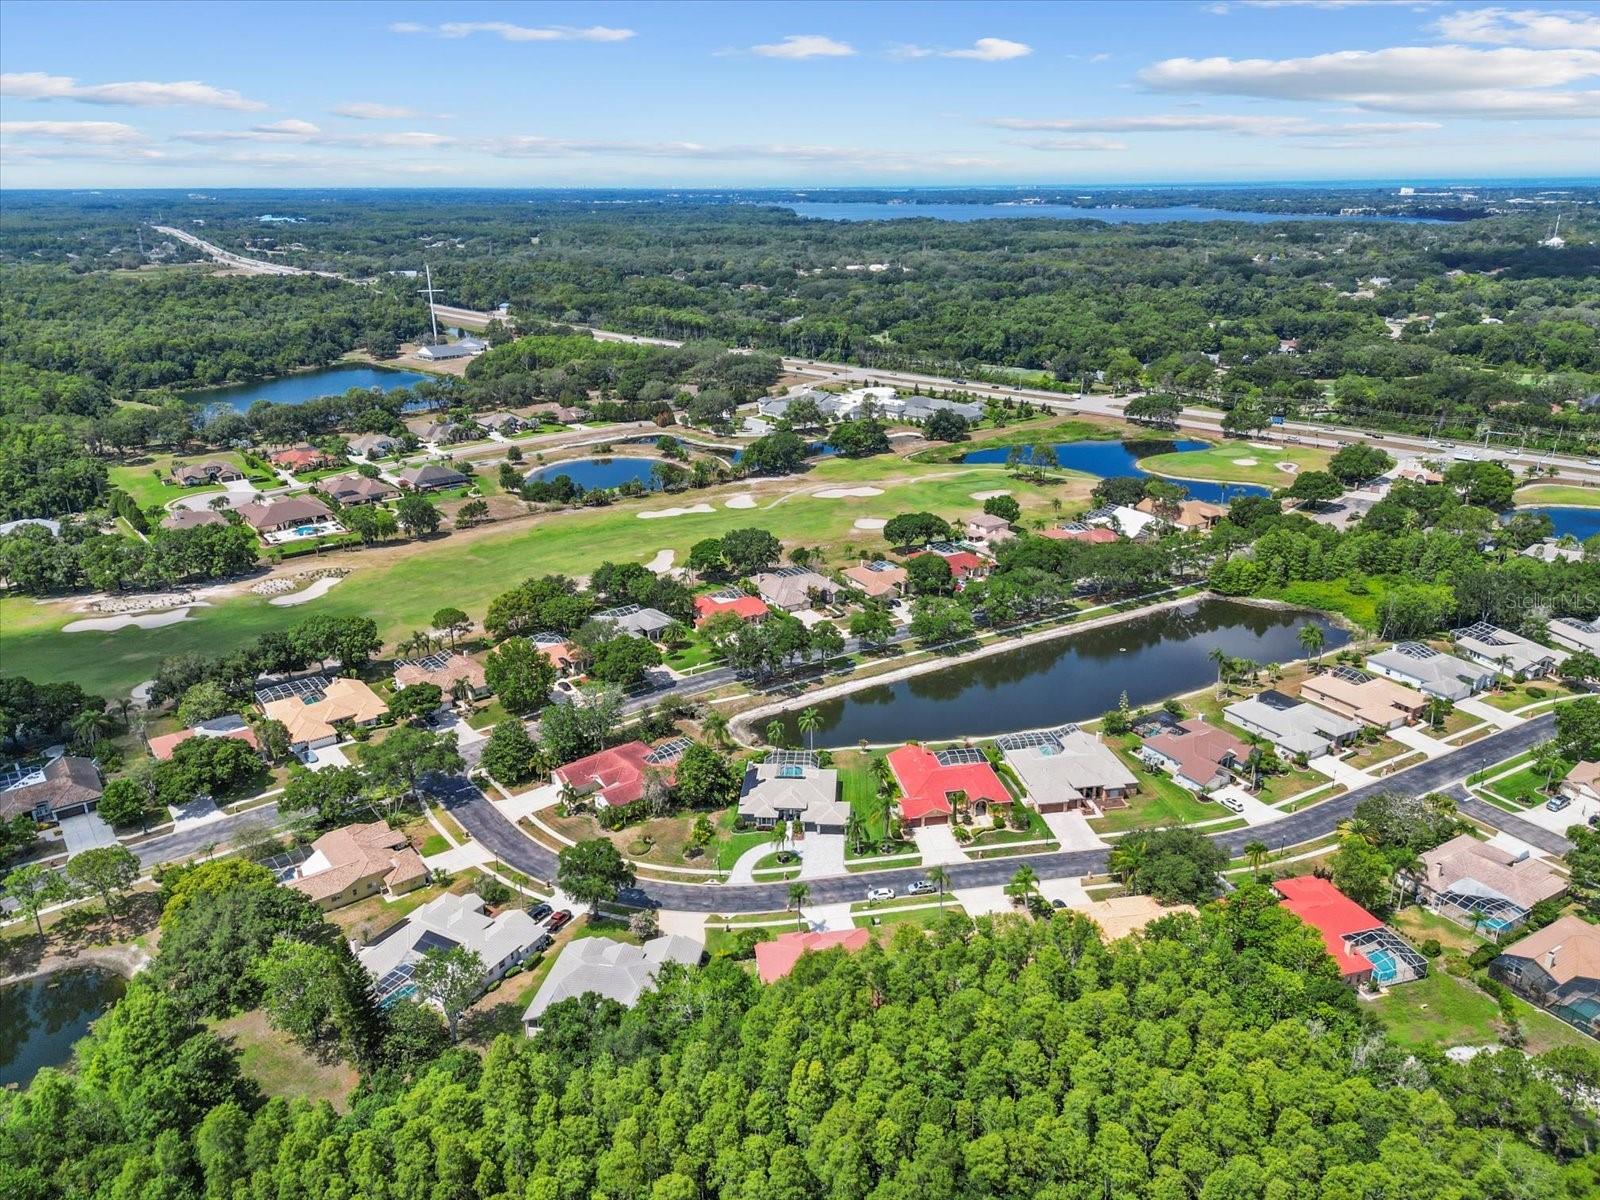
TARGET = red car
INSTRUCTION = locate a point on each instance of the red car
(557, 920)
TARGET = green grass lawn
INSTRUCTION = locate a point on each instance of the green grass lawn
(1222, 463)
(138, 477)
(1525, 788)
(926, 917)
(1277, 788)
(1519, 695)
(1159, 801)
(435, 843)
(469, 572)
(1442, 1011)
(280, 1067)
(1564, 494)
(1377, 752)
(1335, 595)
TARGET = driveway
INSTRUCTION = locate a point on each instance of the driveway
(86, 832)
(979, 901)
(1252, 810)
(1340, 772)
(821, 855)
(1489, 713)
(1415, 737)
(201, 811)
(938, 845)
(1073, 831)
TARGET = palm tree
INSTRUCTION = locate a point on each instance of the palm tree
(780, 837)
(1311, 639)
(89, 726)
(461, 691)
(1255, 852)
(1219, 656)
(1126, 859)
(1358, 827)
(776, 732)
(810, 721)
(1024, 882)
(854, 829)
(799, 893)
(715, 726)
(940, 878)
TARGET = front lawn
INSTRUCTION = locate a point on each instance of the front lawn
(1520, 695)
(1159, 801)
(1275, 789)
(1526, 787)
(149, 479)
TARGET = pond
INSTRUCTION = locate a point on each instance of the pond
(1106, 459)
(42, 1018)
(306, 385)
(1075, 678)
(1581, 523)
(592, 473)
(1111, 214)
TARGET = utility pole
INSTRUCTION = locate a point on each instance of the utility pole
(428, 292)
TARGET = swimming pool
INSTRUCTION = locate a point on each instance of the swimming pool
(1385, 969)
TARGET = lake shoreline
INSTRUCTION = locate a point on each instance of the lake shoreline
(126, 961)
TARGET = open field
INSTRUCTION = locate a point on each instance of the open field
(403, 589)
(1238, 462)
(1569, 494)
(281, 1068)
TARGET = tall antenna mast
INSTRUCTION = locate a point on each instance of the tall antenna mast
(428, 292)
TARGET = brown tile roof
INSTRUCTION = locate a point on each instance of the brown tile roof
(192, 518)
(1572, 943)
(359, 852)
(68, 781)
(342, 700)
(273, 514)
(458, 666)
(1524, 881)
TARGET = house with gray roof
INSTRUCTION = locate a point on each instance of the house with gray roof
(790, 786)
(1575, 634)
(357, 489)
(447, 921)
(373, 445)
(1509, 653)
(192, 518)
(1431, 671)
(1066, 768)
(610, 969)
(632, 619)
(1291, 725)
(791, 588)
(430, 477)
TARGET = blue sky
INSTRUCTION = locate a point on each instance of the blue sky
(555, 94)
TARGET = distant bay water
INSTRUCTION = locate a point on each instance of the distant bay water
(1111, 214)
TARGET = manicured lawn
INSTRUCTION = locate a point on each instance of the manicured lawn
(1223, 464)
(435, 844)
(926, 917)
(280, 1067)
(138, 477)
(1159, 801)
(1519, 695)
(1563, 494)
(402, 592)
(1380, 751)
(1037, 830)
(696, 653)
(1277, 788)
(1443, 1011)
(1526, 787)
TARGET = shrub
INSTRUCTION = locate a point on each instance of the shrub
(493, 892)
(1431, 948)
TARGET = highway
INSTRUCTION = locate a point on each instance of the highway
(514, 848)
(254, 266)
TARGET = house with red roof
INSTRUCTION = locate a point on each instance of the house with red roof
(231, 726)
(746, 608)
(777, 958)
(300, 458)
(1076, 531)
(965, 566)
(1365, 949)
(615, 778)
(932, 784)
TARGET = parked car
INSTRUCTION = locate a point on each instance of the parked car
(1232, 803)
(880, 894)
(540, 911)
(557, 920)
(1557, 803)
(543, 943)
(921, 887)
(1058, 903)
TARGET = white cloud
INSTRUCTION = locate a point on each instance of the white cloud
(103, 133)
(991, 49)
(1555, 30)
(516, 33)
(1248, 125)
(305, 133)
(1087, 144)
(804, 45)
(534, 146)
(1446, 80)
(36, 85)
(365, 111)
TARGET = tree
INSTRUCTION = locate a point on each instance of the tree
(799, 894)
(936, 621)
(747, 551)
(777, 732)
(915, 529)
(371, 523)
(940, 878)
(705, 557)
(1583, 866)
(582, 726)
(520, 675)
(945, 425)
(1362, 871)
(714, 724)
(107, 871)
(872, 624)
(593, 872)
(470, 513)
(1256, 851)
(778, 453)
(417, 515)
(1176, 866)
(859, 439)
(453, 623)
(1314, 488)
(452, 979)
(124, 802)
(827, 641)
(623, 661)
(319, 995)
(332, 796)
(1311, 640)
(416, 702)
(808, 723)
(510, 755)
(396, 765)
(1578, 729)
(1024, 883)
(1357, 463)
(35, 887)
(706, 779)
(1005, 507)
(929, 575)
(205, 701)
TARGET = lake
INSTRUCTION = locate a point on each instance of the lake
(592, 473)
(1076, 678)
(1581, 523)
(42, 1018)
(1107, 459)
(307, 385)
(867, 211)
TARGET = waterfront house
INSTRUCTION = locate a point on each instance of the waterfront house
(1067, 768)
(1197, 755)
(791, 785)
(1369, 699)
(1292, 726)
(1430, 671)
(443, 923)
(932, 785)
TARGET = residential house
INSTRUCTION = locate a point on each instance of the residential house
(1582, 782)
(429, 477)
(730, 600)
(192, 518)
(301, 458)
(1557, 968)
(358, 861)
(932, 785)
(1197, 755)
(1077, 531)
(357, 489)
(292, 512)
(1129, 522)
(443, 923)
(64, 787)
(988, 528)
(776, 958)
(791, 589)
(1369, 699)
(373, 445)
(216, 471)
(1067, 768)
(1551, 550)
(230, 726)
(879, 580)
(561, 653)
(1291, 725)
(792, 786)
(1509, 653)
(1430, 671)
(1476, 882)
(1575, 634)
(615, 778)
(444, 671)
(1195, 516)
(567, 414)
(311, 715)
(443, 433)
(502, 422)
(610, 969)
(636, 621)
(964, 565)
(1365, 949)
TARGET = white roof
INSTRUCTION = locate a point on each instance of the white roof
(1068, 765)
(1492, 643)
(1294, 725)
(616, 970)
(770, 788)
(460, 919)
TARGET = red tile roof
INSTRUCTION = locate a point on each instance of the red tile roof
(777, 958)
(1332, 914)
(746, 608)
(1098, 535)
(617, 772)
(926, 785)
(163, 746)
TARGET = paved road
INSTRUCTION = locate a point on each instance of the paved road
(509, 844)
(175, 847)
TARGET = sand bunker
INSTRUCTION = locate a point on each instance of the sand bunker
(990, 495)
(1246, 462)
(1287, 468)
(871, 522)
(1261, 445)
(675, 512)
(319, 588)
(744, 501)
(661, 562)
(846, 493)
(142, 621)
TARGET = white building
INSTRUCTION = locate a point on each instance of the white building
(613, 970)
(443, 923)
